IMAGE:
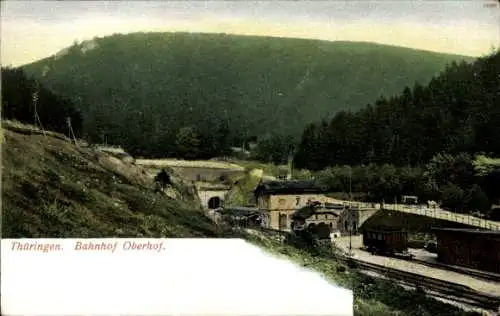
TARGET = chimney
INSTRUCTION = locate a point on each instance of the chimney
(290, 168)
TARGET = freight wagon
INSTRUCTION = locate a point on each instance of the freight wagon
(386, 241)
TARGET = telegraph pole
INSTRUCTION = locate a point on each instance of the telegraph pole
(70, 130)
(35, 97)
(350, 211)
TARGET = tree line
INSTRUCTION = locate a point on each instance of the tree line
(453, 181)
(22, 93)
(456, 112)
(421, 142)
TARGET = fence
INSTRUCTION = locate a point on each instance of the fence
(446, 215)
(437, 213)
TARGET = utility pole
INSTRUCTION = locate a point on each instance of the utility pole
(71, 134)
(37, 121)
(290, 166)
(35, 96)
(350, 211)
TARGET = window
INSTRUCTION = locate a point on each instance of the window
(298, 201)
(282, 221)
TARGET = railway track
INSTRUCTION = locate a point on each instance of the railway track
(431, 286)
(476, 274)
(449, 290)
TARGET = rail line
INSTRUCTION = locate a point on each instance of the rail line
(457, 292)
(432, 286)
(477, 274)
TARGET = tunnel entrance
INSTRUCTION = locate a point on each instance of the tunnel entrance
(214, 202)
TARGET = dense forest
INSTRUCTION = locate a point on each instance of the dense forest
(433, 139)
(424, 141)
(20, 96)
(193, 95)
(458, 111)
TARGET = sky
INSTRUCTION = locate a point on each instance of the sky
(31, 30)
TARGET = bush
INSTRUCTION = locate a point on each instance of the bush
(477, 199)
(453, 197)
(431, 246)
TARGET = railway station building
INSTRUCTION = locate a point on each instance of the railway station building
(471, 248)
(281, 199)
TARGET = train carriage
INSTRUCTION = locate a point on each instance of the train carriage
(386, 241)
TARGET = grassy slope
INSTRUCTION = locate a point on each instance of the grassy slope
(263, 84)
(242, 192)
(51, 188)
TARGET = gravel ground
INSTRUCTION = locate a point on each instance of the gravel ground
(450, 276)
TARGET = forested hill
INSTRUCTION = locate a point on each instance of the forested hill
(457, 112)
(138, 90)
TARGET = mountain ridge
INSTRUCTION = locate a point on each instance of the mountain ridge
(256, 85)
(87, 40)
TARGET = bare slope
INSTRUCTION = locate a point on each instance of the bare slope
(51, 188)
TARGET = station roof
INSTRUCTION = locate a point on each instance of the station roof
(290, 187)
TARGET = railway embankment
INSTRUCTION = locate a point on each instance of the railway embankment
(375, 294)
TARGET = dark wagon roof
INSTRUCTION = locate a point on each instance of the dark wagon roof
(290, 187)
(308, 211)
(384, 229)
(304, 212)
(335, 206)
(467, 231)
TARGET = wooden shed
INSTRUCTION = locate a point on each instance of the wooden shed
(472, 248)
(385, 240)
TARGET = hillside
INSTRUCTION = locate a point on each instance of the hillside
(51, 188)
(138, 90)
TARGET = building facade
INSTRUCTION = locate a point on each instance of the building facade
(472, 248)
(282, 198)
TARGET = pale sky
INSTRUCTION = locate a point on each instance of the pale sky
(31, 30)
